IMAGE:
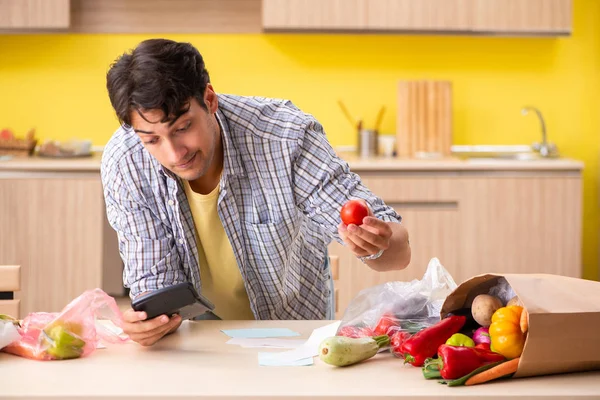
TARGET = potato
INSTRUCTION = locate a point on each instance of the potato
(483, 308)
(515, 301)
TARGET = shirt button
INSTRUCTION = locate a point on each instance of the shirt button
(163, 216)
(171, 202)
(181, 241)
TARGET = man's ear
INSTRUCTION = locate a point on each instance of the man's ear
(210, 99)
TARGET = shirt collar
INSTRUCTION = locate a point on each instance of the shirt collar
(232, 163)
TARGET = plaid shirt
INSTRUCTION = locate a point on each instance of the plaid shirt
(282, 189)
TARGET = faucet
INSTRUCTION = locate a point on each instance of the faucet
(545, 148)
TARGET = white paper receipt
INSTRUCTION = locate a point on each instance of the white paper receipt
(307, 351)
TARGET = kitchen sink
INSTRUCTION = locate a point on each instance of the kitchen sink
(497, 152)
(520, 152)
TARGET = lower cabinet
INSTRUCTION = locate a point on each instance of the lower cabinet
(475, 222)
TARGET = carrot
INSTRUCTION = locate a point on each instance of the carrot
(524, 321)
(499, 371)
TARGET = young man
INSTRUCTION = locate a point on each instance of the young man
(238, 195)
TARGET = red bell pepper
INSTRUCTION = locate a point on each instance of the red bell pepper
(424, 344)
(454, 362)
(485, 346)
(397, 339)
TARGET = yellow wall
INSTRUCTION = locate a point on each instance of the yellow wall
(55, 83)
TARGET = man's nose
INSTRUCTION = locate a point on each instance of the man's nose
(176, 153)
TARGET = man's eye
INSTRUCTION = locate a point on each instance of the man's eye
(151, 141)
(185, 128)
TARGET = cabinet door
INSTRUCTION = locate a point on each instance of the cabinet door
(420, 15)
(314, 14)
(523, 16)
(434, 232)
(521, 225)
(53, 229)
(430, 212)
(34, 14)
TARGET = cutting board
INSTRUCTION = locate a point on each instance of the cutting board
(424, 118)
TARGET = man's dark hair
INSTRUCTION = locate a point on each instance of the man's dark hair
(157, 74)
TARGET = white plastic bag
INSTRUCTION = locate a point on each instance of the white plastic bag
(398, 306)
(8, 333)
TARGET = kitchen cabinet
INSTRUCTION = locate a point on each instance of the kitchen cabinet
(315, 14)
(547, 17)
(513, 17)
(22, 15)
(172, 16)
(505, 217)
(523, 16)
(130, 16)
(475, 217)
(419, 15)
(53, 224)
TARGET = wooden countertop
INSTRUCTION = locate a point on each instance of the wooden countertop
(91, 164)
(456, 164)
(196, 362)
(44, 164)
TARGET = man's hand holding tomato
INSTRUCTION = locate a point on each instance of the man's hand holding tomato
(366, 235)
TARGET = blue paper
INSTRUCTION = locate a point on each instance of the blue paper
(267, 359)
(259, 333)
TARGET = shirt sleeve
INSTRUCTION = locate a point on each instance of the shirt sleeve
(148, 251)
(324, 183)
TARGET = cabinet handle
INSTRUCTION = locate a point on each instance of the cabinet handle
(337, 301)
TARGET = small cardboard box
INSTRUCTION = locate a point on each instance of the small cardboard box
(564, 319)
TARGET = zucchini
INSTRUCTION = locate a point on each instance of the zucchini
(342, 351)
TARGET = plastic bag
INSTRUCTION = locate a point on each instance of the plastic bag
(72, 333)
(8, 330)
(398, 309)
(502, 290)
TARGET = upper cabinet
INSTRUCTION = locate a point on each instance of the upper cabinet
(315, 14)
(523, 16)
(419, 15)
(505, 17)
(131, 16)
(21, 15)
(526, 17)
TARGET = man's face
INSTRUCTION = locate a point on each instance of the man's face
(185, 146)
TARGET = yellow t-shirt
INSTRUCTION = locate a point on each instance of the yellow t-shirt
(222, 281)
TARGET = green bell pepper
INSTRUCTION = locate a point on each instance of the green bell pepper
(459, 339)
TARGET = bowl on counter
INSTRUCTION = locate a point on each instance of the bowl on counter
(69, 149)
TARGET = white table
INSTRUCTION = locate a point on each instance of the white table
(196, 362)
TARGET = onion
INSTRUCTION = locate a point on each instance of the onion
(482, 335)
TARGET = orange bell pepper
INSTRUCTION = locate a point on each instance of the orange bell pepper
(505, 332)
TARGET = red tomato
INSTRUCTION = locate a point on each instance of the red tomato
(353, 212)
(355, 332)
(385, 323)
(366, 332)
(349, 331)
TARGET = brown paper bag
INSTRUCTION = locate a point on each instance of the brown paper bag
(564, 319)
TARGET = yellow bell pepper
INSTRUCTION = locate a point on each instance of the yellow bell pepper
(505, 332)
